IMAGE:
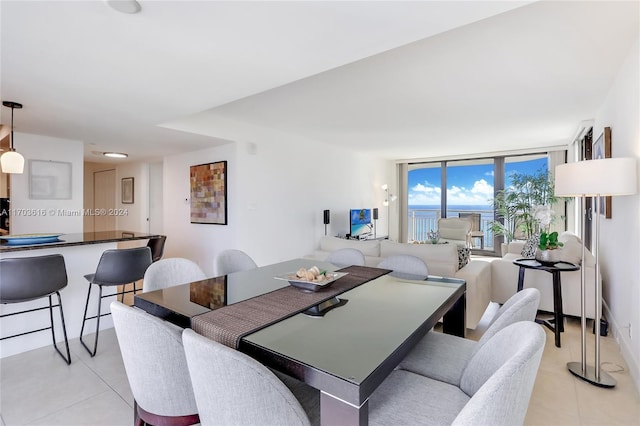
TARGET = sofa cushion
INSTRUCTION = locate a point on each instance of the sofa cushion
(464, 255)
(530, 247)
(367, 247)
(441, 259)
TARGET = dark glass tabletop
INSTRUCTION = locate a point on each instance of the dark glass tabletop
(180, 303)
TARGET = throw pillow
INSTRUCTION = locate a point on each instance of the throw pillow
(529, 249)
(464, 254)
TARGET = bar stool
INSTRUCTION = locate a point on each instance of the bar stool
(116, 267)
(157, 247)
(29, 278)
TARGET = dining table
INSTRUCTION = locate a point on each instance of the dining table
(343, 339)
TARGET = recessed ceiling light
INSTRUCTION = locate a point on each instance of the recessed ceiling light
(115, 154)
(125, 6)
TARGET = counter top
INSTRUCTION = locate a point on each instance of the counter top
(66, 240)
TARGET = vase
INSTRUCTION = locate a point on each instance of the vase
(549, 257)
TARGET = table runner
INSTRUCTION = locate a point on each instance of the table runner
(227, 325)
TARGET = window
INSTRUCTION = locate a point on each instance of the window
(462, 188)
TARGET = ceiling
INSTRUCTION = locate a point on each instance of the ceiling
(398, 80)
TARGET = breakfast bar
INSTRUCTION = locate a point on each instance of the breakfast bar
(81, 253)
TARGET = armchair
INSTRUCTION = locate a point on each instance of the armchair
(455, 230)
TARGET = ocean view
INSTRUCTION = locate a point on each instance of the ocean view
(432, 210)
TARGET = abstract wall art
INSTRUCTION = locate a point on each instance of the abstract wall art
(209, 193)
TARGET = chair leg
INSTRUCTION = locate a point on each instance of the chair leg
(95, 346)
(64, 329)
(137, 421)
(84, 317)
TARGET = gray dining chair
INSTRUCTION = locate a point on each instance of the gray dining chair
(495, 387)
(169, 272)
(444, 356)
(405, 266)
(117, 267)
(156, 367)
(156, 245)
(25, 279)
(346, 257)
(232, 388)
(232, 260)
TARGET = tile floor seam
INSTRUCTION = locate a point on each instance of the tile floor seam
(99, 375)
(80, 401)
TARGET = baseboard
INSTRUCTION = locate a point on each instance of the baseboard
(625, 350)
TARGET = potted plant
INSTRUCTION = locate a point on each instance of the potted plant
(548, 244)
(515, 206)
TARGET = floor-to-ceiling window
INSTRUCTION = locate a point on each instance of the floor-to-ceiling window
(463, 188)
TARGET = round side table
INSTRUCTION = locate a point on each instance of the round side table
(557, 324)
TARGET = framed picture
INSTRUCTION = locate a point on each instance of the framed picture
(208, 184)
(49, 180)
(602, 149)
(127, 190)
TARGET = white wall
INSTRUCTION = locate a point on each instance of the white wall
(36, 147)
(277, 191)
(620, 235)
(134, 216)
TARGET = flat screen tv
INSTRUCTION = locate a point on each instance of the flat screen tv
(360, 222)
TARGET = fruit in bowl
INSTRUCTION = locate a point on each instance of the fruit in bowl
(313, 274)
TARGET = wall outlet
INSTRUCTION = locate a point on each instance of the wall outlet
(630, 331)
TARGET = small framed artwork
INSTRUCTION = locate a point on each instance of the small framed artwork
(127, 190)
(208, 184)
(602, 149)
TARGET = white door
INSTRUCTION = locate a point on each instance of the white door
(104, 199)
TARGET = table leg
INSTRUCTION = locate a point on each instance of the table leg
(521, 278)
(557, 307)
(334, 411)
(455, 321)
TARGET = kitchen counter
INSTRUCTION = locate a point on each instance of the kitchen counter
(81, 254)
(66, 240)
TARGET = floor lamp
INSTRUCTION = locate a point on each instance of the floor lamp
(594, 178)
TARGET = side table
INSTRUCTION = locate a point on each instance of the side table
(557, 325)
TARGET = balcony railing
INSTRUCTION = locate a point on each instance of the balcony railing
(423, 221)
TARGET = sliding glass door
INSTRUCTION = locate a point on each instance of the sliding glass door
(463, 188)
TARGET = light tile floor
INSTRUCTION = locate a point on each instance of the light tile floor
(38, 388)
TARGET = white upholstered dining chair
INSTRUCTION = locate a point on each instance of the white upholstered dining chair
(494, 389)
(346, 257)
(232, 260)
(405, 266)
(232, 388)
(169, 272)
(444, 357)
(156, 367)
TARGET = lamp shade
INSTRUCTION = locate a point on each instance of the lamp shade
(607, 176)
(12, 162)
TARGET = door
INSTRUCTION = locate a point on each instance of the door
(104, 200)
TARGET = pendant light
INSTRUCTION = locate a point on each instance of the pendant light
(12, 161)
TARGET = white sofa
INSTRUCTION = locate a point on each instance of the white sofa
(441, 259)
(505, 278)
